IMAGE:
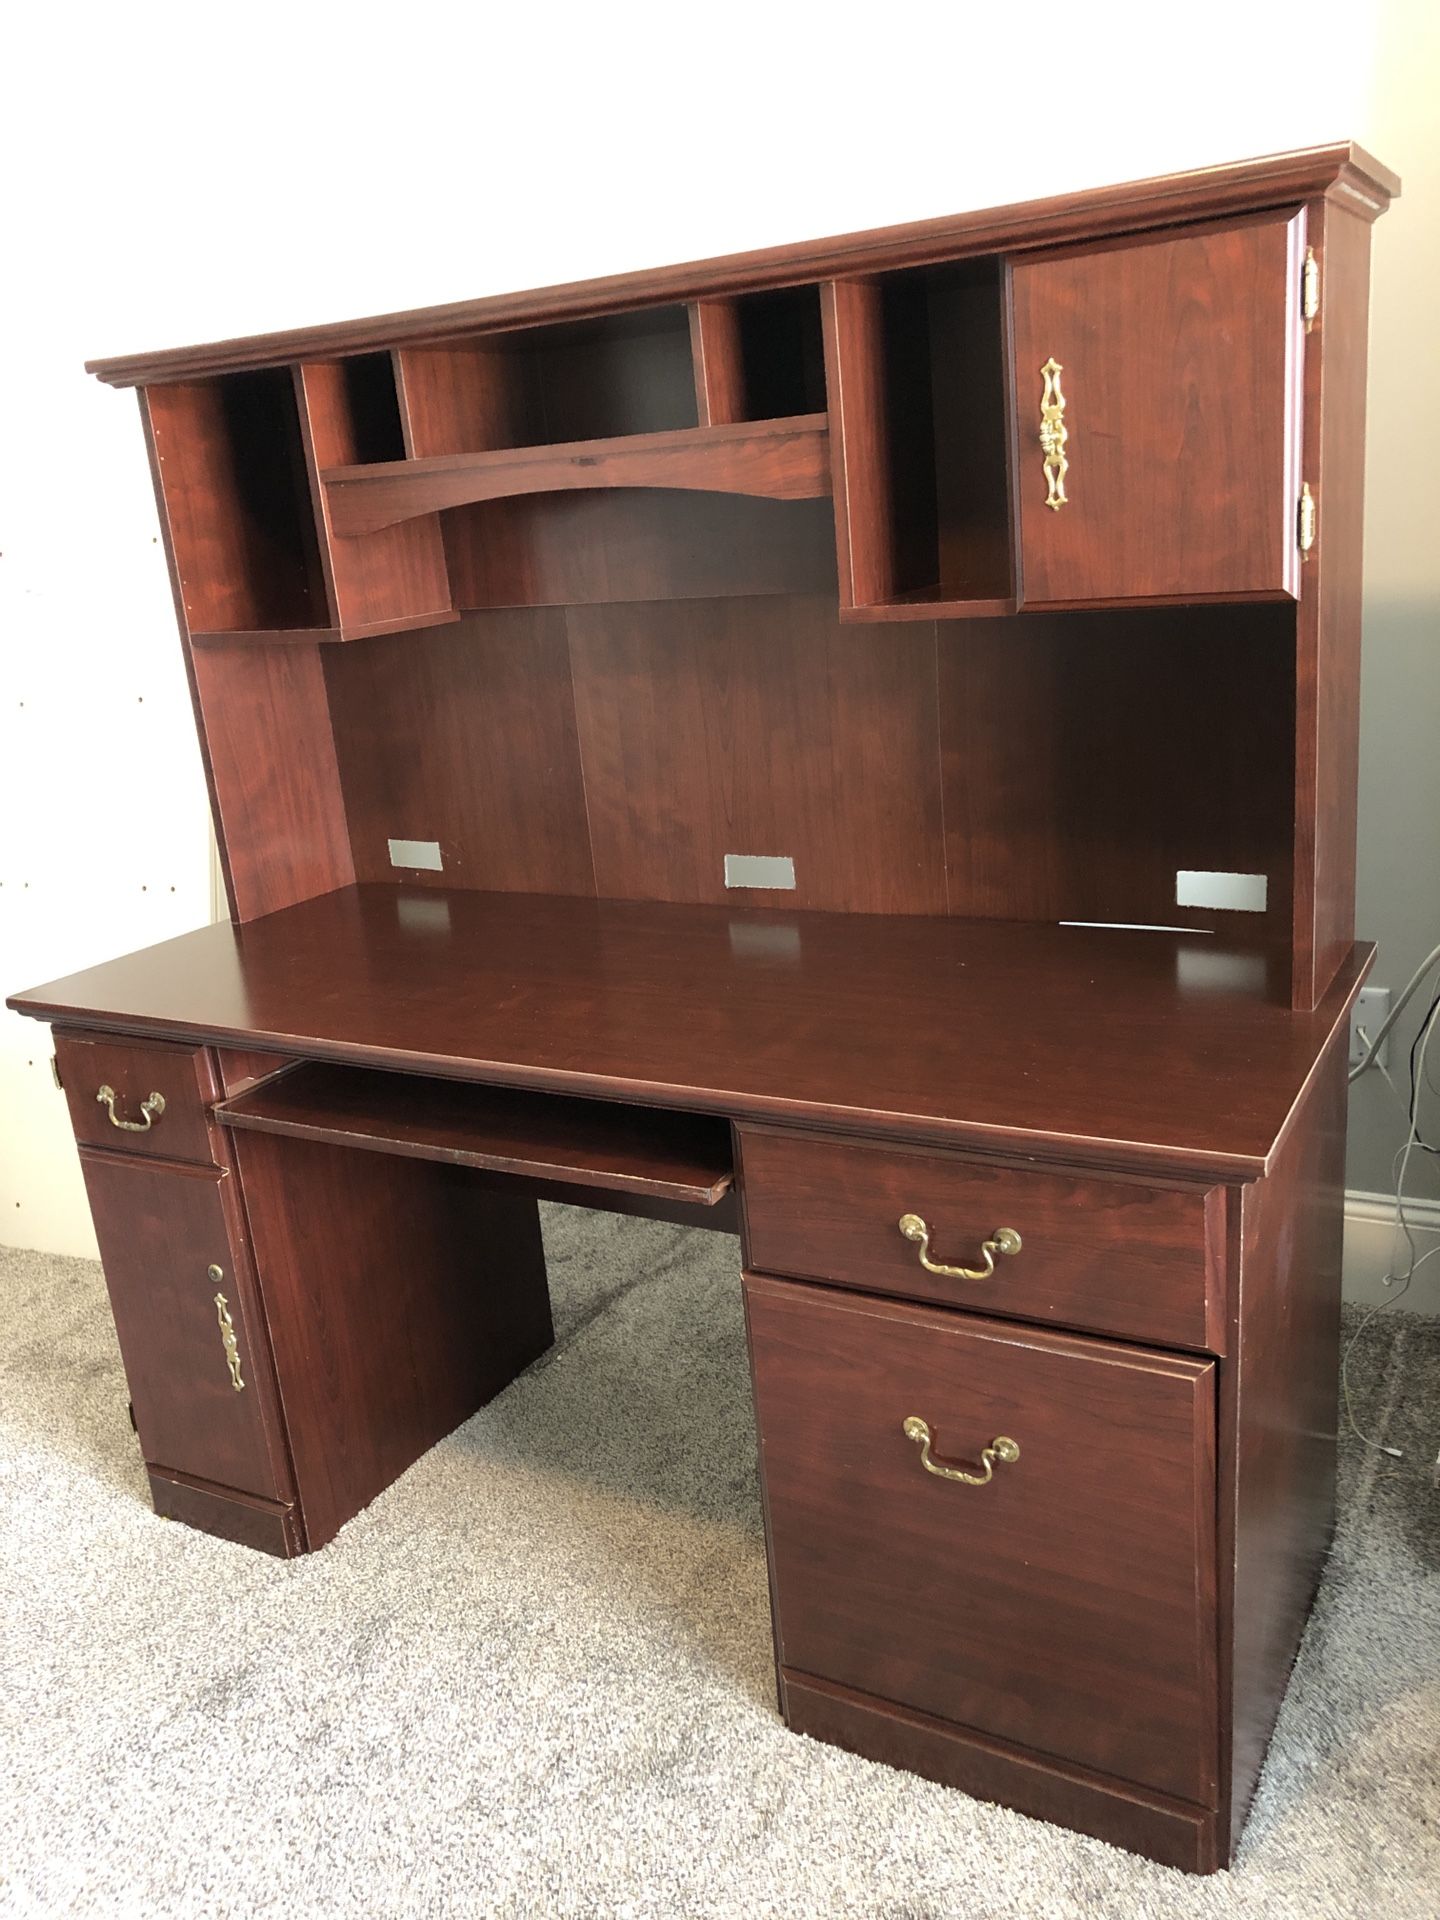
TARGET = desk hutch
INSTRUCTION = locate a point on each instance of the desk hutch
(853, 744)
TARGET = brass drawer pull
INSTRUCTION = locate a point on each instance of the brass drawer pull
(1053, 434)
(1001, 1448)
(152, 1106)
(227, 1332)
(1005, 1240)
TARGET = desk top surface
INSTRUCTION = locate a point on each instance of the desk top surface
(1111, 1047)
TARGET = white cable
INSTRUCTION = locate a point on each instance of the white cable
(1395, 1012)
(1400, 1166)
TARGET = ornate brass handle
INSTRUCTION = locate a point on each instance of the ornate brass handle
(227, 1333)
(151, 1107)
(1000, 1448)
(1053, 435)
(1004, 1240)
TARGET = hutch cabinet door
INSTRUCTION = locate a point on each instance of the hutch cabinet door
(200, 1384)
(1157, 398)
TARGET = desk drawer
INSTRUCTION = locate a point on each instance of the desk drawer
(1112, 1255)
(157, 1094)
(1067, 1604)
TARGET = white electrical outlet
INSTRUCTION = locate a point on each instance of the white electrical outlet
(1370, 1011)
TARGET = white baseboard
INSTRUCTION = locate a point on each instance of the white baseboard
(1372, 1243)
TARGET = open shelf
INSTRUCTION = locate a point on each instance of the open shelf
(231, 462)
(650, 1153)
(916, 370)
(628, 373)
(776, 459)
(760, 356)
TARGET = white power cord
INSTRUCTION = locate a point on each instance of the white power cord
(1395, 1012)
(1400, 1167)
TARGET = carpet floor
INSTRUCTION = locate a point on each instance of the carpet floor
(534, 1679)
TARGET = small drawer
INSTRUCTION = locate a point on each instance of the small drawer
(1007, 1528)
(145, 1097)
(1114, 1256)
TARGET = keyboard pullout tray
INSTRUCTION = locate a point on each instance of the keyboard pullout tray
(649, 1151)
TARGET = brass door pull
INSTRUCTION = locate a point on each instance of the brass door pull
(151, 1107)
(1001, 1448)
(1053, 434)
(1004, 1240)
(227, 1332)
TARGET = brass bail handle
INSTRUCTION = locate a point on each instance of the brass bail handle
(151, 1108)
(1004, 1240)
(1001, 1448)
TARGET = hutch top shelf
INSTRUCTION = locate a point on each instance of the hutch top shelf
(980, 568)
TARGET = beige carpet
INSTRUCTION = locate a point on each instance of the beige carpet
(535, 1678)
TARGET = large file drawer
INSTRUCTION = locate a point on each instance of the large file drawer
(1108, 1255)
(1067, 1604)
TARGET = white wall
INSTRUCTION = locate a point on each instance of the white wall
(182, 173)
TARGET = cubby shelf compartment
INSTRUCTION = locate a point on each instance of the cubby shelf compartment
(915, 370)
(774, 459)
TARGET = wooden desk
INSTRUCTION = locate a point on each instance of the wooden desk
(518, 633)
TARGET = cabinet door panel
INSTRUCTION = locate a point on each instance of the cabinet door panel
(1180, 364)
(160, 1230)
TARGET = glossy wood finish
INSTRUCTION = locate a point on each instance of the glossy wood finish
(395, 576)
(1341, 169)
(777, 459)
(1016, 1608)
(764, 728)
(1279, 1416)
(236, 499)
(237, 1068)
(160, 1228)
(270, 1526)
(1169, 495)
(717, 351)
(614, 686)
(466, 736)
(916, 373)
(582, 549)
(582, 1143)
(180, 1075)
(1115, 750)
(401, 1297)
(993, 1036)
(1112, 1256)
(1327, 678)
(276, 782)
(610, 377)
(859, 422)
(1171, 1831)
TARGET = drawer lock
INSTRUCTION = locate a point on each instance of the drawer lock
(1004, 1240)
(1001, 1448)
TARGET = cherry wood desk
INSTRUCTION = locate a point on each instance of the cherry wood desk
(663, 734)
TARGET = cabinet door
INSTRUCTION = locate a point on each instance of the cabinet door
(1179, 369)
(1066, 1605)
(161, 1230)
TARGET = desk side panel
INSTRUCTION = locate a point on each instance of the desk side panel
(1279, 1413)
(260, 711)
(401, 1296)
